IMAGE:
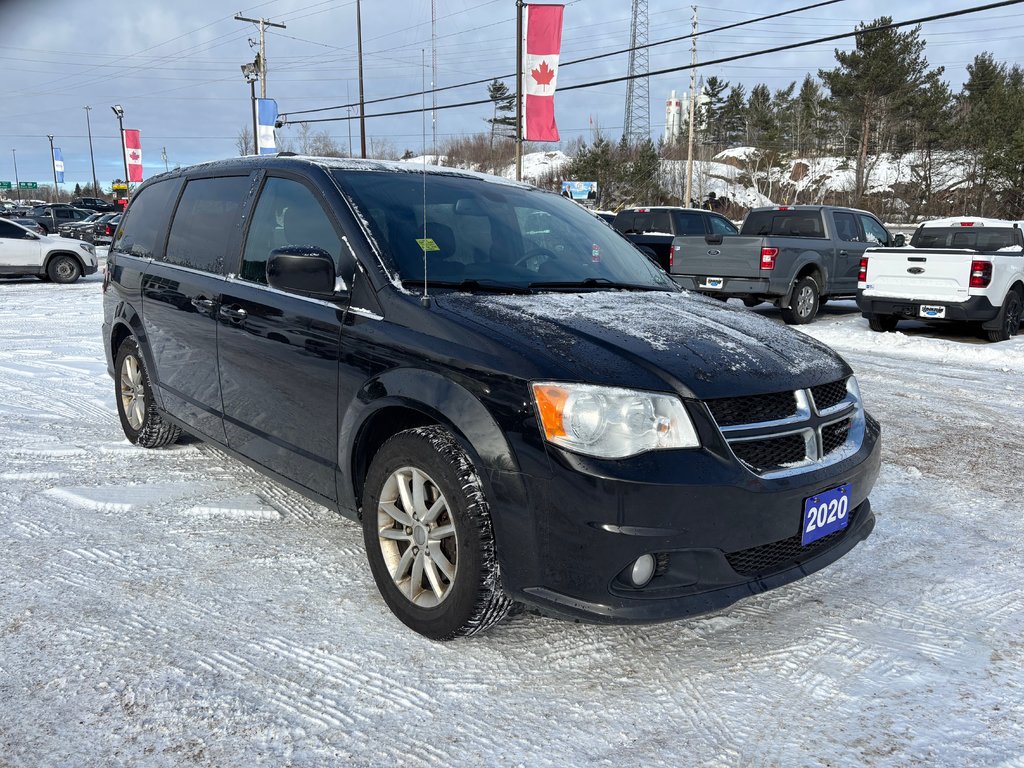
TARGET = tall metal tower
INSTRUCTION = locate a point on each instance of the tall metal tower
(636, 125)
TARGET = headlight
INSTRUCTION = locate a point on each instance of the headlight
(612, 423)
(87, 248)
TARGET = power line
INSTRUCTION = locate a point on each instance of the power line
(727, 59)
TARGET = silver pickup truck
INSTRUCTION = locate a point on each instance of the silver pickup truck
(795, 257)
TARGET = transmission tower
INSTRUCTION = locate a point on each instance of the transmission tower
(636, 125)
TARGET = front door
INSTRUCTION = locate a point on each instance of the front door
(18, 248)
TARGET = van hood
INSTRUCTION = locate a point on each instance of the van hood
(697, 346)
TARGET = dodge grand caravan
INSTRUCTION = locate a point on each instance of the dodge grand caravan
(518, 406)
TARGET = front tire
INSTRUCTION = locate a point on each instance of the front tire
(429, 539)
(882, 323)
(1009, 318)
(64, 269)
(141, 420)
(803, 304)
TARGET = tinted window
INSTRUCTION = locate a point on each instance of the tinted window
(846, 227)
(146, 219)
(289, 214)
(205, 221)
(689, 223)
(722, 226)
(794, 223)
(10, 230)
(972, 238)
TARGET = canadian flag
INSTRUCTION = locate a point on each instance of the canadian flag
(133, 154)
(542, 43)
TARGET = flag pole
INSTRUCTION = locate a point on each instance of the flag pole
(519, 89)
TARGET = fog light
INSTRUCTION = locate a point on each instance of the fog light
(642, 571)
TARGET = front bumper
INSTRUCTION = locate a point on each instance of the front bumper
(718, 532)
(976, 309)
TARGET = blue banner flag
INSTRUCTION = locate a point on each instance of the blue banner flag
(266, 116)
(58, 164)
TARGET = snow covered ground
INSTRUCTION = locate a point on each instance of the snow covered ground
(175, 608)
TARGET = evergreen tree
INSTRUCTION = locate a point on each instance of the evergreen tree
(503, 117)
(734, 116)
(709, 117)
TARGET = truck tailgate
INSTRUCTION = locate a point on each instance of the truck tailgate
(917, 273)
(735, 256)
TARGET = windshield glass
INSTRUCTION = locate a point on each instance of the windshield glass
(477, 235)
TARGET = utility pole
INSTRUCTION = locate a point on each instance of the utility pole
(519, 90)
(262, 24)
(119, 112)
(163, 154)
(53, 167)
(17, 182)
(95, 186)
(693, 86)
(362, 104)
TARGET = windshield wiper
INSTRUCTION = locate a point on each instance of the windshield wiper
(485, 285)
(591, 282)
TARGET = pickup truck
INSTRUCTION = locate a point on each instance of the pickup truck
(957, 269)
(796, 257)
(654, 229)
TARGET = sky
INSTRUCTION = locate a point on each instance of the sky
(175, 68)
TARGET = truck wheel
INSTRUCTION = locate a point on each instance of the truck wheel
(140, 418)
(428, 536)
(64, 269)
(883, 323)
(1009, 318)
(803, 304)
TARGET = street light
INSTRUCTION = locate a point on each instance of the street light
(92, 159)
(53, 167)
(119, 111)
(17, 183)
(251, 73)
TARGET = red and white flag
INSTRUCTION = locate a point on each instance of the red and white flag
(133, 154)
(542, 42)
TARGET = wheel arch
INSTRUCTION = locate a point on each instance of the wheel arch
(807, 266)
(405, 398)
(59, 252)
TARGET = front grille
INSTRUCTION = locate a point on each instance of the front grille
(834, 435)
(771, 453)
(779, 555)
(729, 411)
(828, 395)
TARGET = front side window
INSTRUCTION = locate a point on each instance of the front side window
(207, 215)
(146, 219)
(289, 214)
(722, 226)
(874, 231)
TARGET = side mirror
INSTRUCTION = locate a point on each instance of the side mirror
(899, 240)
(303, 269)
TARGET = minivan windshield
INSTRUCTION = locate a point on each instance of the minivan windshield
(474, 235)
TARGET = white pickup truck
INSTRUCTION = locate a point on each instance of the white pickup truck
(956, 269)
(60, 259)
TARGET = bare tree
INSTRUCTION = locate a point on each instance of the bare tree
(244, 141)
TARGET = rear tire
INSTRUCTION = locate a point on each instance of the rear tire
(1009, 318)
(429, 539)
(883, 323)
(141, 420)
(64, 269)
(803, 304)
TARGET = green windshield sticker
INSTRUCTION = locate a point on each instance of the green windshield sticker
(427, 244)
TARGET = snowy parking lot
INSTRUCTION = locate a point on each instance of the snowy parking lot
(176, 608)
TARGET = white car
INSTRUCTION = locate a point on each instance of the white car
(963, 269)
(60, 259)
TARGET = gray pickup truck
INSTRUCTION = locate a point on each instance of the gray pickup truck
(795, 257)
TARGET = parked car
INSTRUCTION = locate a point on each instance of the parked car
(75, 229)
(24, 252)
(515, 403)
(30, 224)
(105, 230)
(793, 256)
(50, 217)
(94, 204)
(654, 229)
(962, 269)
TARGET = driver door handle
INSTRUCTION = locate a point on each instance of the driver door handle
(844, 252)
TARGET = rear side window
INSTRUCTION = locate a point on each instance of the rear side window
(146, 220)
(204, 223)
(689, 223)
(846, 227)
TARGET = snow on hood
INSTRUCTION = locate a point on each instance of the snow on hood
(622, 337)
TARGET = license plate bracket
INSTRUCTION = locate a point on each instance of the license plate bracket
(714, 283)
(932, 311)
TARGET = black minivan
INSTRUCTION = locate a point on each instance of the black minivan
(518, 405)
